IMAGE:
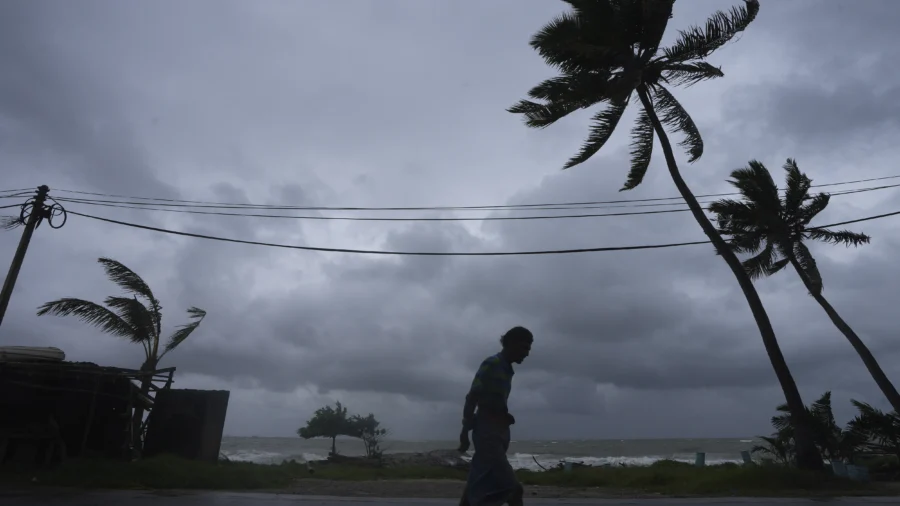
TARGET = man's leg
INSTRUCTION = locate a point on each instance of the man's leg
(517, 498)
(464, 501)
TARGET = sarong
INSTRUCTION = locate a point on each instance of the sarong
(491, 478)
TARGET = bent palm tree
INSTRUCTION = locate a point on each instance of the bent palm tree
(607, 51)
(128, 317)
(773, 228)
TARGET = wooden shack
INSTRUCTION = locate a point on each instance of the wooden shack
(50, 410)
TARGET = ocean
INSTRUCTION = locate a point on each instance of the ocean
(522, 454)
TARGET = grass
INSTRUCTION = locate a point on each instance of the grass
(666, 477)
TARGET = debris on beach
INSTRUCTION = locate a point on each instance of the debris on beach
(434, 458)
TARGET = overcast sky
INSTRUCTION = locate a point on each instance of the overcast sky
(402, 103)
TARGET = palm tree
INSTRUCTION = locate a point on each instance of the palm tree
(878, 432)
(137, 317)
(835, 443)
(608, 51)
(773, 229)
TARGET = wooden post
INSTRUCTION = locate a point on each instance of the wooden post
(37, 212)
(129, 428)
(90, 417)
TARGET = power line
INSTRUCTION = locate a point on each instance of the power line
(202, 203)
(860, 220)
(365, 218)
(251, 207)
(16, 195)
(430, 253)
(486, 218)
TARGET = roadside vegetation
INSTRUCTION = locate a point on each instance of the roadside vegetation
(664, 477)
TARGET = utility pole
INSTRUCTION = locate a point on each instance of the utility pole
(37, 213)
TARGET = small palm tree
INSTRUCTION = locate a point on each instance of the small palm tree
(137, 317)
(778, 448)
(773, 229)
(607, 52)
(878, 431)
(835, 443)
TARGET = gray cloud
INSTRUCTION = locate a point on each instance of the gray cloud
(402, 104)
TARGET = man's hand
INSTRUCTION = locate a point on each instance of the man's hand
(463, 441)
(510, 419)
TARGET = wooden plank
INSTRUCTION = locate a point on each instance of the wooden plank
(90, 417)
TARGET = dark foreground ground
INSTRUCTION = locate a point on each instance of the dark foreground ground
(127, 498)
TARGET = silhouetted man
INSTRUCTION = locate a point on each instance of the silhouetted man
(492, 481)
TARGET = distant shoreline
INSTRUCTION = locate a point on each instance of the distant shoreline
(544, 440)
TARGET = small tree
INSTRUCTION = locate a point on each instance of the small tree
(878, 431)
(833, 442)
(328, 422)
(372, 434)
(779, 449)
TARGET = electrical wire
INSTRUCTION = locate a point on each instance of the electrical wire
(250, 207)
(202, 203)
(16, 195)
(18, 190)
(486, 218)
(367, 218)
(432, 253)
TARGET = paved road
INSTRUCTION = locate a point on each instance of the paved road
(70, 498)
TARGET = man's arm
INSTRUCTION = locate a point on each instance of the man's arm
(469, 410)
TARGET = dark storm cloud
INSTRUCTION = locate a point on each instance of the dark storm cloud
(813, 113)
(265, 103)
(61, 120)
(839, 76)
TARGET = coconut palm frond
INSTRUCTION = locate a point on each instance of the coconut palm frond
(90, 313)
(642, 137)
(689, 74)
(673, 115)
(127, 279)
(697, 43)
(761, 264)
(797, 187)
(812, 208)
(603, 125)
(734, 216)
(844, 237)
(138, 317)
(185, 331)
(755, 184)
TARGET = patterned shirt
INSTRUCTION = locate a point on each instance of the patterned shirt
(492, 384)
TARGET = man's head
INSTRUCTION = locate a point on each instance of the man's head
(517, 344)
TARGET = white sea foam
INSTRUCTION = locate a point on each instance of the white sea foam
(261, 457)
(536, 462)
(533, 462)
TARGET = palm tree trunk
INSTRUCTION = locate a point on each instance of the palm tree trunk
(887, 388)
(138, 415)
(808, 456)
(334, 445)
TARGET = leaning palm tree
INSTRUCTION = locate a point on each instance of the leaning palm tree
(137, 317)
(773, 229)
(608, 52)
